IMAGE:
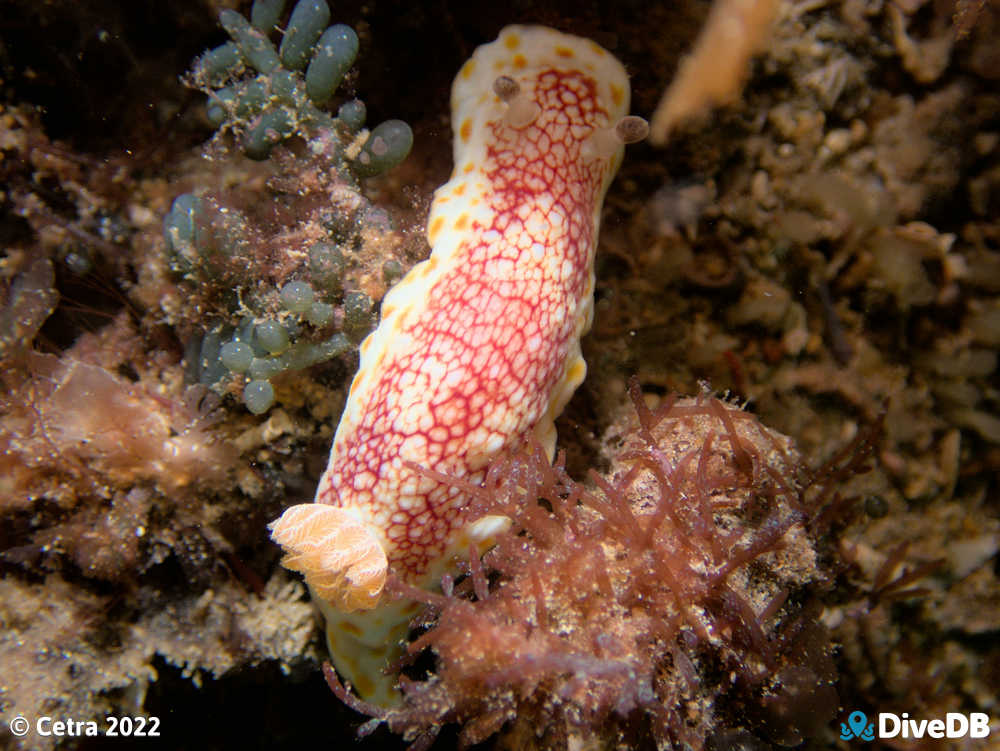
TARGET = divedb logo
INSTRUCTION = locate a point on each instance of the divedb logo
(954, 725)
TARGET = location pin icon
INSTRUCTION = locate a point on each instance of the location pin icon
(857, 721)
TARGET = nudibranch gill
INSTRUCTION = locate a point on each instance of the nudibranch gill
(477, 346)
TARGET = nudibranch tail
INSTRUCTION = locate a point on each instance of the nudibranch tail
(478, 346)
(341, 559)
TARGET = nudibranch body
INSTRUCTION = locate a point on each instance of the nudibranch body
(478, 346)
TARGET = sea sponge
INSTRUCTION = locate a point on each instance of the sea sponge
(86, 416)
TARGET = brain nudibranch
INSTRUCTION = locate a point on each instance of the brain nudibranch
(477, 347)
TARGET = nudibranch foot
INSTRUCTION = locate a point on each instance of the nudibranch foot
(365, 643)
(342, 560)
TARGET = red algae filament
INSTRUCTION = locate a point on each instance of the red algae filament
(670, 588)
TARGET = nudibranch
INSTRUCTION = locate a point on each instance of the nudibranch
(477, 346)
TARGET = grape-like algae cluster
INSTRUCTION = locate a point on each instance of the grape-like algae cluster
(284, 294)
(266, 95)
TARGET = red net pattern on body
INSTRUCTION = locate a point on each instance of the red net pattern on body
(477, 360)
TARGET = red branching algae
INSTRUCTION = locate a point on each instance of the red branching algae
(665, 602)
